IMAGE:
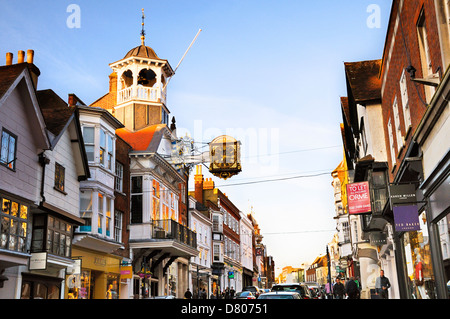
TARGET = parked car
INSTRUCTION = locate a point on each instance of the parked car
(314, 288)
(255, 290)
(164, 297)
(280, 295)
(300, 288)
(245, 295)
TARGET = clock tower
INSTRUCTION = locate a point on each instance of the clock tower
(137, 94)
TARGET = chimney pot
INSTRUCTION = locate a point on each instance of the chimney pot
(30, 56)
(20, 56)
(9, 58)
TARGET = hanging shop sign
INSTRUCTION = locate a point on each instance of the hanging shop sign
(358, 198)
(402, 194)
(406, 218)
(225, 157)
(38, 261)
(126, 272)
(377, 238)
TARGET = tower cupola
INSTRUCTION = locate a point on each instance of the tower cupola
(141, 87)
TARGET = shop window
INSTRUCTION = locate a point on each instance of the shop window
(418, 262)
(35, 287)
(14, 225)
(8, 147)
(112, 286)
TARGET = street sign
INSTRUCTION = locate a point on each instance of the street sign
(358, 198)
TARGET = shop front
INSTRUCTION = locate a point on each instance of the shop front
(99, 276)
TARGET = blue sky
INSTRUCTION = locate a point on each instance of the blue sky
(270, 73)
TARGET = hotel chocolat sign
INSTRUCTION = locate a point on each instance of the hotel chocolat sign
(358, 198)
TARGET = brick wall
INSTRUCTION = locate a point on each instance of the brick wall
(404, 52)
(122, 200)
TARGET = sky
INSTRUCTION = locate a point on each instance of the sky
(269, 73)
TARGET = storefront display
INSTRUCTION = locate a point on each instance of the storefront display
(419, 265)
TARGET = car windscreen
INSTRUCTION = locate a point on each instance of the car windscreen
(293, 288)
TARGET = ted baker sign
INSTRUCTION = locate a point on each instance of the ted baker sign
(358, 197)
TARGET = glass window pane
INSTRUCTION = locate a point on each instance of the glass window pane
(12, 152)
(88, 135)
(90, 152)
(85, 202)
(23, 212)
(40, 291)
(136, 184)
(26, 290)
(14, 209)
(6, 206)
(102, 139)
(4, 150)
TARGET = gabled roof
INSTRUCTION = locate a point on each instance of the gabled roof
(363, 78)
(55, 110)
(9, 73)
(59, 117)
(17, 76)
(147, 139)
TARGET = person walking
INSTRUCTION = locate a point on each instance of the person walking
(188, 294)
(352, 289)
(338, 289)
(382, 285)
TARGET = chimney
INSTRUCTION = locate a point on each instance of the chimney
(208, 184)
(9, 58)
(198, 179)
(30, 56)
(113, 82)
(20, 56)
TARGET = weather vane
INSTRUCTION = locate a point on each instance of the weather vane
(143, 31)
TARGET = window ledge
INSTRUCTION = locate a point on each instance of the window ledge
(60, 191)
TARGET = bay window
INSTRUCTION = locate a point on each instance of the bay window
(99, 145)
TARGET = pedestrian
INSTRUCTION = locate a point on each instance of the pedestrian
(203, 294)
(358, 283)
(232, 292)
(188, 294)
(382, 285)
(352, 289)
(338, 289)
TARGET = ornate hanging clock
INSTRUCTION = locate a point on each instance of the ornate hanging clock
(225, 157)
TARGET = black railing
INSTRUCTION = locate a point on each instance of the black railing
(170, 229)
